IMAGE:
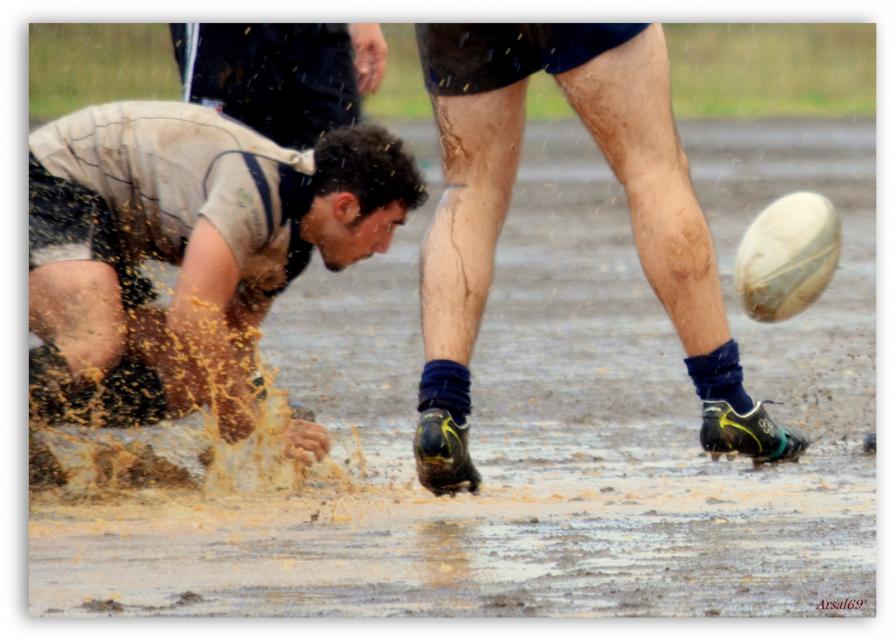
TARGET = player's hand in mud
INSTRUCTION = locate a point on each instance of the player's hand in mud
(306, 442)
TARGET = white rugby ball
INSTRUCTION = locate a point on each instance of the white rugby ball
(788, 256)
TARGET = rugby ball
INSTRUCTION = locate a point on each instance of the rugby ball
(788, 256)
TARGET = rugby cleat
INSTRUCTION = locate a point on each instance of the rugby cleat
(753, 435)
(870, 443)
(441, 448)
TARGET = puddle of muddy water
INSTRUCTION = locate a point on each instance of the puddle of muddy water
(625, 543)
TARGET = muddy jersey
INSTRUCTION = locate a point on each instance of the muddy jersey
(161, 165)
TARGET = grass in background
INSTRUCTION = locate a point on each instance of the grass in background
(746, 70)
(739, 70)
(74, 65)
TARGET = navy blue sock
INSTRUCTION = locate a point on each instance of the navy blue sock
(718, 376)
(445, 384)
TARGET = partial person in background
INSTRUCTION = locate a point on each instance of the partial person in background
(289, 82)
(616, 77)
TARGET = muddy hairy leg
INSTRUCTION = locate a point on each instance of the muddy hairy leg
(624, 99)
(481, 138)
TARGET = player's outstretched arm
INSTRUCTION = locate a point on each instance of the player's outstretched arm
(198, 322)
(245, 314)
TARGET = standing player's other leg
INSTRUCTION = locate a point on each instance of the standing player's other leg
(481, 138)
(623, 96)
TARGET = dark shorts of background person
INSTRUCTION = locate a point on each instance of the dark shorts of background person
(289, 82)
(68, 222)
(460, 59)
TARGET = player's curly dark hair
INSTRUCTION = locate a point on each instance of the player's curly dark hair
(371, 163)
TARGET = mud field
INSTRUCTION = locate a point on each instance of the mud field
(597, 500)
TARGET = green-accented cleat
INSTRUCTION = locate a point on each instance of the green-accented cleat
(753, 435)
(441, 448)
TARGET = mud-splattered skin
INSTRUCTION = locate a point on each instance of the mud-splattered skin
(596, 499)
(623, 97)
(480, 158)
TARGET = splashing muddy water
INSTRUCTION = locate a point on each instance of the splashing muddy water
(596, 498)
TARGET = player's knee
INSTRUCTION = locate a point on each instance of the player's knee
(678, 160)
(94, 356)
(686, 248)
(93, 344)
(95, 352)
(99, 339)
(642, 171)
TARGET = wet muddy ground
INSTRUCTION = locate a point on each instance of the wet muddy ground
(597, 500)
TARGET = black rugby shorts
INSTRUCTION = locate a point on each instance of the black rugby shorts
(462, 59)
(289, 82)
(68, 222)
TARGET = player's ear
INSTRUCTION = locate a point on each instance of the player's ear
(346, 207)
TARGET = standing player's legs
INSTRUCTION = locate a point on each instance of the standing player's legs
(624, 99)
(481, 138)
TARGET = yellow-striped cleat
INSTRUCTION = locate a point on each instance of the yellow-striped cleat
(441, 448)
(753, 435)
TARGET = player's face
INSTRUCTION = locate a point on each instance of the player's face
(363, 238)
